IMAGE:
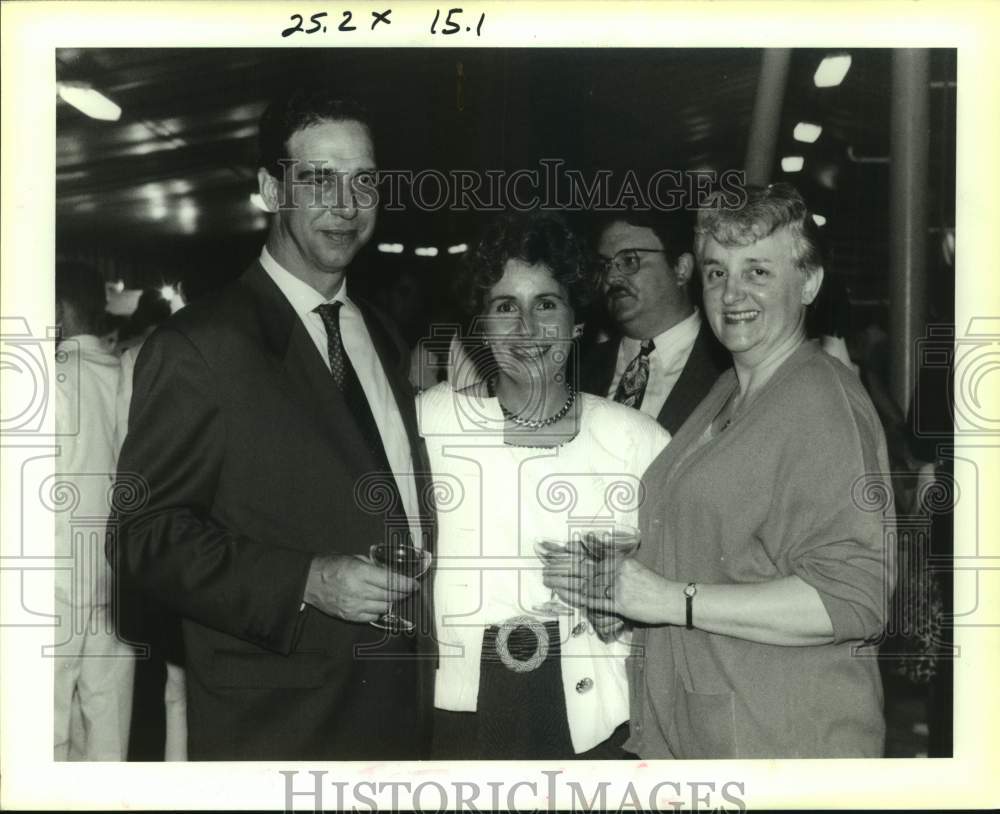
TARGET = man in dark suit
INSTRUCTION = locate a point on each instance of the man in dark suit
(272, 440)
(662, 357)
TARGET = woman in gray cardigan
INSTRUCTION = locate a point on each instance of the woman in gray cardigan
(767, 529)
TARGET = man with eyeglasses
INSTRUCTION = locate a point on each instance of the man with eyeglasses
(663, 357)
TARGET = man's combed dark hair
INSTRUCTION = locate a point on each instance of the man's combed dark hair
(535, 238)
(82, 286)
(302, 108)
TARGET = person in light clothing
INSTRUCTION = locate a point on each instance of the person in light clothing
(92, 669)
(518, 456)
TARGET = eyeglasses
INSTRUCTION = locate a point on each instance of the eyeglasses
(625, 261)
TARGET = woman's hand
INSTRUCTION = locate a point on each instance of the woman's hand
(783, 611)
(623, 587)
(607, 626)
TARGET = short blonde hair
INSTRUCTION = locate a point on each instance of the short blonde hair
(765, 210)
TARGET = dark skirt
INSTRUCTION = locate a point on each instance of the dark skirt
(519, 715)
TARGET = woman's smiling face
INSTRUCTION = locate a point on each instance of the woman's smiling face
(756, 296)
(529, 322)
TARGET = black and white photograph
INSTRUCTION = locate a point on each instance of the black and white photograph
(403, 411)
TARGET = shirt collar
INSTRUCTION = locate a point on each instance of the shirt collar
(85, 342)
(302, 296)
(680, 335)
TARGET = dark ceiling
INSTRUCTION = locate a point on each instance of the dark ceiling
(179, 165)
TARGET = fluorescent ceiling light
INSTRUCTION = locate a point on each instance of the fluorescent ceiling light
(187, 217)
(819, 219)
(426, 251)
(459, 249)
(390, 248)
(91, 102)
(832, 70)
(167, 292)
(807, 132)
(792, 163)
(258, 201)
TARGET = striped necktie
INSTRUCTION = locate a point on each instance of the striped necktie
(632, 387)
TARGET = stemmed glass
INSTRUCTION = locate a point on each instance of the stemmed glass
(609, 542)
(549, 550)
(618, 541)
(399, 558)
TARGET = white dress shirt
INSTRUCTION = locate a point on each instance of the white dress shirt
(670, 354)
(365, 360)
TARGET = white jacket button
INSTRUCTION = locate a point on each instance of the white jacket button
(584, 685)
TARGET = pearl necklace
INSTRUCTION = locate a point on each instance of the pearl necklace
(535, 423)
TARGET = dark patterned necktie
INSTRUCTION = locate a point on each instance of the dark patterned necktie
(329, 312)
(349, 384)
(632, 387)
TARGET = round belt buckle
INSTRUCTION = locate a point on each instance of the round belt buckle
(541, 642)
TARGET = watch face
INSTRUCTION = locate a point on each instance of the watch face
(690, 590)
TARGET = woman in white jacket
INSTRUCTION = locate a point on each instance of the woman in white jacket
(519, 456)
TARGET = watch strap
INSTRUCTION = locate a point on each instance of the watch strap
(689, 592)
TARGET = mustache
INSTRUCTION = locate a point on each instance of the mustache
(617, 288)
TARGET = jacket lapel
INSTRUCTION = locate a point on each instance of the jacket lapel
(306, 377)
(696, 379)
(314, 390)
(394, 359)
(598, 368)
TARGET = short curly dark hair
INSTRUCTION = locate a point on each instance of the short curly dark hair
(536, 238)
(302, 108)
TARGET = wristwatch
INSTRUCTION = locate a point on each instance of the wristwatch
(689, 593)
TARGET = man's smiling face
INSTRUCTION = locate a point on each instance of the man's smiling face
(326, 202)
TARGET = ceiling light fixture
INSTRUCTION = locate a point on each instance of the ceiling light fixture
(832, 70)
(390, 248)
(461, 248)
(807, 132)
(819, 219)
(88, 101)
(792, 163)
(426, 251)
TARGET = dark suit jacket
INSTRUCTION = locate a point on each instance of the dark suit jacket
(242, 462)
(707, 360)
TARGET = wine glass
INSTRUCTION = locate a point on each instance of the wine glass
(399, 558)
(548, 550)
(608, 542)
(618, 541)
